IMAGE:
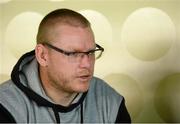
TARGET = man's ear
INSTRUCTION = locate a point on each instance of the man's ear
(41, 54)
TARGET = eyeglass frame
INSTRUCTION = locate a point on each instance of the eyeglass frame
(73, 53)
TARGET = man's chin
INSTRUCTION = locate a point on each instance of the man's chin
(82, 88)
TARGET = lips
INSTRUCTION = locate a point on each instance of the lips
(84, 78)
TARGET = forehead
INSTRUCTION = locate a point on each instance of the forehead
(73, 37)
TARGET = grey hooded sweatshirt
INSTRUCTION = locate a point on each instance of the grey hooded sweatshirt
(23, 100)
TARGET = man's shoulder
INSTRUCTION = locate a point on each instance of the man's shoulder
(12, 99)
(101, 87)
(6, 86)
(105, 98)
(10, 94)
(100, 83)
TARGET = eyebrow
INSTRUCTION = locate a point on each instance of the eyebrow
(71, 49)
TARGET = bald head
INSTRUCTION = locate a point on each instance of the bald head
(56, 18)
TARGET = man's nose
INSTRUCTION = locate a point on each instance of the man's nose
(85, 61)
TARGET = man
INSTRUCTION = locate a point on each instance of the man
(55, 83)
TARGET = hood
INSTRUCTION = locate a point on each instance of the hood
(26, 77)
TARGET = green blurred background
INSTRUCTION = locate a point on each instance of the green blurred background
(141, 40)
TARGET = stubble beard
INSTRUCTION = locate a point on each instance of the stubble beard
(62, 83)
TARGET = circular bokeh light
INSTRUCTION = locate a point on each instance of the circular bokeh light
(167, 98)
(20, 36)
(100, 25)
(148, 33)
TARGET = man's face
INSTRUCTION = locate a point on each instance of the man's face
(64, 72)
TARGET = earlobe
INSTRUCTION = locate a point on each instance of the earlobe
(41, 54)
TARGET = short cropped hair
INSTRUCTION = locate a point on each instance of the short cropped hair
(59, 16)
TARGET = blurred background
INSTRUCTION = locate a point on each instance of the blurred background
(141, 40)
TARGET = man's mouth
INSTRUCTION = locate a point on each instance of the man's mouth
(84, 78)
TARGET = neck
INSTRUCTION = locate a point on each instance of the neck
(61, 98)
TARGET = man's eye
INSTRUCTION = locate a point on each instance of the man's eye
(74, 54)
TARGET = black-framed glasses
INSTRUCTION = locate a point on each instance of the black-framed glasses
(77, 56)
